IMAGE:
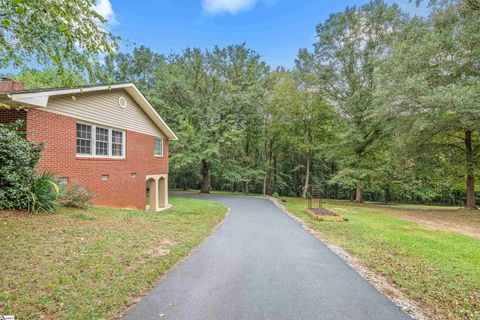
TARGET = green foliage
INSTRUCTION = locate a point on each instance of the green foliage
(44, 193)
(75, 197)
(350, 46)
(18, 159)
(48, 78)
(65, 35)
(380, 110)
(430, 86)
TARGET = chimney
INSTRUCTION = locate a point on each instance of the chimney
(8, 85)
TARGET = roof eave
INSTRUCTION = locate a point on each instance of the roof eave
(40, 99)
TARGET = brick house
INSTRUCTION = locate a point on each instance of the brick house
(108, 139)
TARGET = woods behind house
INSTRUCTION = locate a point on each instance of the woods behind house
(385, 107)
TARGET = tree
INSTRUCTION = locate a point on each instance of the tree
(139, 67)
(48, 78)
(346, 57)
(465, 5)
(64, 35)
(432, 86)
(304, 121)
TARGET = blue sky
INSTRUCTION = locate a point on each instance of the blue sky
(274, 28)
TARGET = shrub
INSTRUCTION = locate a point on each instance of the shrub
(76, 197)
(44, 193)
(275, 195)
(18, 158)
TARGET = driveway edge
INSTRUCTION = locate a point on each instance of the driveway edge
(410, 307)
(137, 299)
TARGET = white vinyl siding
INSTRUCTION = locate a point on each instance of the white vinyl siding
(158, 148)
(105, 143)
(103, 108)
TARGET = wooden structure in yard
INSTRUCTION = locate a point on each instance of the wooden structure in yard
(314, 198)
(316, 210)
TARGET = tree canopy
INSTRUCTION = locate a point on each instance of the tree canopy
(384, 108)
(67, 36)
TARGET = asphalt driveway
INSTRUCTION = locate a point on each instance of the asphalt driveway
(261, 264)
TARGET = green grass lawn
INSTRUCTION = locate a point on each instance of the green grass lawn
(439, 269)
(91, 264)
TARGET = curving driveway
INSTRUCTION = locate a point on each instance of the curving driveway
(261, 264)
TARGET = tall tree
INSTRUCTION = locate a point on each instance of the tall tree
(302, 120)
(139, 67)
(432, 87)
(349, 48)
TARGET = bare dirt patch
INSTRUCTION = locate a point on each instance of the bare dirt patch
(463, 221)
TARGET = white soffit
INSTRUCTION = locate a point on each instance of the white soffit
(40, 99)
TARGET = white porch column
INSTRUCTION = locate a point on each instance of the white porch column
(158, 185)
(163, 191)
(153, 194)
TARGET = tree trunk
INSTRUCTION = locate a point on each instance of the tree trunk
(387, 194)
(307, 176)
(205, 177)
(359, 193)
(245, 187)
(470, 171)
(267, 183)
(267, 179)
(264, 189)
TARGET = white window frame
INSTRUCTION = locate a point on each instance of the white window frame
(154, 141)
(84, 139)
(94, 142)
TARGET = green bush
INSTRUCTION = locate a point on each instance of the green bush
(44, 193)
(275, 195)
(18, 158)
(76, 197)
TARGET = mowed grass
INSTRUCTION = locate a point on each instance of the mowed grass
(439, 269)
(91, 264)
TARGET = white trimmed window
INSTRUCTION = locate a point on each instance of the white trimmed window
(117, 143)
(99, 141)
(84, 139)
(158, 148)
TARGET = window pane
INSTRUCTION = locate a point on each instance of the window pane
(158, 150)
(101, 142)
(117, 150)
(117, 143)
(117, 136)
(84, 139)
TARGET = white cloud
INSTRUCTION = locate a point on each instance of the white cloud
(104, 8)
(230, 6)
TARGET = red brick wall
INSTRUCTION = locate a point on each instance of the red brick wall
(11, 115)
(121, 189)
